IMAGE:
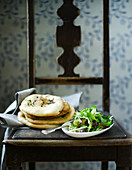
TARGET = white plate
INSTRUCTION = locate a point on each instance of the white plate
(84, 134)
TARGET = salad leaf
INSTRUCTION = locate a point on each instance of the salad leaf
(89, 120)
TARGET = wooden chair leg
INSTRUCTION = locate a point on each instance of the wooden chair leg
(13, 168)
(31, 165)
(123, 168)
(104, 166)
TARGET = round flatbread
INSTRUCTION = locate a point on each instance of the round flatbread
(65, 109)
(42, 105)
(22, 119)
(54, 121)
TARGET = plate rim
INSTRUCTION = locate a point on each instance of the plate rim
(85, 134)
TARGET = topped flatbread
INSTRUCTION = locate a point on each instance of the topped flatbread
(65, 109)
(42, 105)
(56, 120)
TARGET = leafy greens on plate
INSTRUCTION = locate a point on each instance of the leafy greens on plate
(89, 120)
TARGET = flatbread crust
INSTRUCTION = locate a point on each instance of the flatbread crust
(54, 121)
(66, 105)
(42, 105)
(22, 119)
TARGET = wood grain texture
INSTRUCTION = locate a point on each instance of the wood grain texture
(30, 44)
(68, 80)
(68, 36)
(106, 71)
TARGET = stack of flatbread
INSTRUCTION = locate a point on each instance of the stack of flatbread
(45, 111)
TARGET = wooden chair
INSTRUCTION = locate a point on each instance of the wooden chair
(115, 145)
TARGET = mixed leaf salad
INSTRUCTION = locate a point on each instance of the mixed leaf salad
(89, 120)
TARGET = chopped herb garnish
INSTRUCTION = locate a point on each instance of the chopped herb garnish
(50, 101)
(29, 103)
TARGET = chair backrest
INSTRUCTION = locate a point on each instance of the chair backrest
(68, 60)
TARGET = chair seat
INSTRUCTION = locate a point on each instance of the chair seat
(30, 133)
(31, 145)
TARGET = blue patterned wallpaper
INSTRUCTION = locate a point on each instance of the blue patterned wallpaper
(12, 50)
(13, 62)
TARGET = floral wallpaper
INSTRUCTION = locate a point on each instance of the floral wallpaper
(13, 53)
